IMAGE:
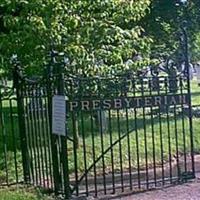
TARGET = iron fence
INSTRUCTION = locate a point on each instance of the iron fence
(10, 151)
(127, 132)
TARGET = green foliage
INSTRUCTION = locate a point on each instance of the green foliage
(165, 19)
(195, 49)
(22, 194)
(97, 36)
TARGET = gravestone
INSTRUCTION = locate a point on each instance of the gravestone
(191, 71)
(101, 120)
(173, 87)
(198, 73)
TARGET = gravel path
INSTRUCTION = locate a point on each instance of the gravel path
(187, 191)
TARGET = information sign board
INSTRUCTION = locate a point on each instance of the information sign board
(58, 115)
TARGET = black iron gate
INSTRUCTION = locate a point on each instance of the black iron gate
(127, 132)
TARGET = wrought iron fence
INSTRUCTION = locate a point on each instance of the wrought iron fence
(127, 132)
(33, 108)
(10, 149)
(123, 133)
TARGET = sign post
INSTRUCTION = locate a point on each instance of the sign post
(57, 119)
(58, 126)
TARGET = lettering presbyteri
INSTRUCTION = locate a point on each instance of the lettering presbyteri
(127, 102)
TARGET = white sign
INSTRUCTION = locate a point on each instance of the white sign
(58, 115)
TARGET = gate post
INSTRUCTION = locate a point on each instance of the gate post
(64, 156)
(21, 120)
(54, 138)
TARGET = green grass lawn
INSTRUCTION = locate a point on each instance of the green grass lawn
(10, 154)
(195, 89)
(22, 194)
(159, 150)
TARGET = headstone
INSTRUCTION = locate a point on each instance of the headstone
(198, 73)
(102, 120)
(173, 87)
(191, 71)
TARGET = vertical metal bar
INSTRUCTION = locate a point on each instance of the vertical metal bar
(145, 137)
(36, 133)
(129, 149)
(84, 152)
(74, 129)
(137, 148)
(56, 173)
(176, 142)
(111, 150)
(102, 152)
(119, 90)
(183, 125)
(153, 135)
(4, 140)
(161, 140)
(74, 115)
(190, 102)
(20, 105)
(33, 135)
(102, 139)
(64, 157)
(120, 151)
(6, 135)
(13, 140)
(168, 133)
(29, 139)
(93, 151)
(60, 164)
(136, 135)
(66, 168)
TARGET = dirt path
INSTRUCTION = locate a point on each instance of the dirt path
(187, 191)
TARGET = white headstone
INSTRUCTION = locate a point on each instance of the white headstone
(102, 120)
(191, 70)
(198, 73)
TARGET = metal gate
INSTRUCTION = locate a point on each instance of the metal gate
(128, 132)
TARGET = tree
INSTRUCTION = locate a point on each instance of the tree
(165, 18)
(195, 49)
(98, 36)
